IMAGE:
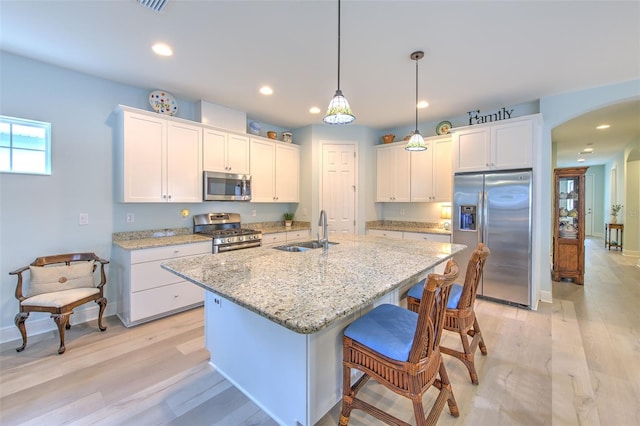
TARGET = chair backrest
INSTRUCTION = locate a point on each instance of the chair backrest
(431, 312)
(472, 278)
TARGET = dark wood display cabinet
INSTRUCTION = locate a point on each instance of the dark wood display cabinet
(568, 224)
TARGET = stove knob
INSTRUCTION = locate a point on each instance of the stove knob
(228, 240)
(241, 238)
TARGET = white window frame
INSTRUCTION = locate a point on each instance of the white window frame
(8, 123)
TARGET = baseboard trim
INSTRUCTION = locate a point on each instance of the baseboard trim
(42, 323)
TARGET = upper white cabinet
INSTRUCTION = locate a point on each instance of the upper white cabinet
(275, 172)
(225, 152)
(160, 158)
(502, 145)
(393, 173)
(431, 171)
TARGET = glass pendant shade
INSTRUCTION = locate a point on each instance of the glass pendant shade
(416, 143)
(339, 111)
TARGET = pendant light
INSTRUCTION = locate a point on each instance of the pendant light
(416, 143)
(339, 111)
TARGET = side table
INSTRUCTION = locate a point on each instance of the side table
(608, 243)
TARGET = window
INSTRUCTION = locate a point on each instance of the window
(25, 146)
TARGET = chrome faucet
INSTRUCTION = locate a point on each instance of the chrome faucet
(325, 238)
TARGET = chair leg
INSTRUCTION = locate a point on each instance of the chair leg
(446, 394)
(467, 357)
(61, 321)
(102, 302)
(347, 397)
(19, 320)
(477, 334)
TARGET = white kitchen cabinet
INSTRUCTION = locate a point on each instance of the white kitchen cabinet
(421, 236)
(500, 145)
(299, 235)
(225, 152)
(275, 172)
(393, 177)
(431, 171)
(160, 159)
(147, 291)
(278, 238)
(383, 233)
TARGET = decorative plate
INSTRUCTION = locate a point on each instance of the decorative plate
(163, 103)
(443, 127)
(254, 127)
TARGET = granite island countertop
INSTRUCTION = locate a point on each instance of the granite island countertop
(308, 291)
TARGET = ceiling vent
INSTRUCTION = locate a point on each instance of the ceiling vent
(157, 5)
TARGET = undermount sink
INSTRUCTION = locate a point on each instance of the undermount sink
(303, 246)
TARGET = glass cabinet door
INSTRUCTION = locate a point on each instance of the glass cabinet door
(568, 207)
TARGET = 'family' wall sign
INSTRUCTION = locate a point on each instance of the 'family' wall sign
(476, 118)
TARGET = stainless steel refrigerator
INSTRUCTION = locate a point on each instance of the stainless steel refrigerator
(495, 208)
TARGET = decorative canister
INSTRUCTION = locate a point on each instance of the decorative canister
(272, 135)
(287, 137)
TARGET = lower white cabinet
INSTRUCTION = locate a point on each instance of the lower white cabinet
(422, 236)
(276, 238)
(147, 291)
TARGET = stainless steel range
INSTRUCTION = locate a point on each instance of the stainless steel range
(226, 231)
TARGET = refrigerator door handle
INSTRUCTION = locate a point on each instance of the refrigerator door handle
(480, 217)
(485, 216)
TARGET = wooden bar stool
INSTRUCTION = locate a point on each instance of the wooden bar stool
(460, 316)
(400, 349)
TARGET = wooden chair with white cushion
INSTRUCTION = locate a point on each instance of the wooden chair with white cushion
(400, 349)
(57, 284)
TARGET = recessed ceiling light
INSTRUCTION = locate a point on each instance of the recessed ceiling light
(588, 150)
(162, 49)
(314, 110)
(266, 90)
(423, 104)
(603, 126)
(580, 160)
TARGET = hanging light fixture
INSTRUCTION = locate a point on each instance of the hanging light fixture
(339, 111)
(416, 143)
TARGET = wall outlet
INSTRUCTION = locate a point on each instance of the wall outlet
(253, 213)
(401, 212)
(83, 219)
(131, 218)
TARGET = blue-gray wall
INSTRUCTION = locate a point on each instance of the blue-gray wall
(39, 214)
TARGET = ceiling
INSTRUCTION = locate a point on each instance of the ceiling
(478, 55)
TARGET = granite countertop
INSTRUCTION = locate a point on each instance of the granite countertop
(151, 242)
(422, 227)
(306, 292)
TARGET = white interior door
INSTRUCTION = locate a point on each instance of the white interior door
(339, 187)
(588, 205)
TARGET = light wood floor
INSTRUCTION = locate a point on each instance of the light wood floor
(575, 362)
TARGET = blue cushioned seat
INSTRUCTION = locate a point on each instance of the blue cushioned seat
(454, 296)
(387, 329)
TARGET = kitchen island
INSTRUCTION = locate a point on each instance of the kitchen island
(274, 319)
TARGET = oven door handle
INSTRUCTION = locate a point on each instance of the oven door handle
(237, 246)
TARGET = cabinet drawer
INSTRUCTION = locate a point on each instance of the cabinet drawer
(439, 238)
(388, 234)
(298, 235)
(162, 300)
(279, 237)
(170, 252)
(151, 275)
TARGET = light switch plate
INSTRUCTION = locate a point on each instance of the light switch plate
(83, 219)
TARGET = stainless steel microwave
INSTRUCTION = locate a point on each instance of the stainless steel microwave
(220, 186)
